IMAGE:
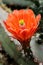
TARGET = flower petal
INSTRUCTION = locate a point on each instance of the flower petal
(38, 18)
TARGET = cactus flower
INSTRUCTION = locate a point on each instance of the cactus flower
(22, 24)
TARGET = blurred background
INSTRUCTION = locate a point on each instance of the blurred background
(6, 58)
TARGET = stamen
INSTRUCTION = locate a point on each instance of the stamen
(21, 22)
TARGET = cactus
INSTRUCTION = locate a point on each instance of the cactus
(10, 47)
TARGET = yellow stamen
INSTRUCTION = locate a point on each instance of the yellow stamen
(21, 22)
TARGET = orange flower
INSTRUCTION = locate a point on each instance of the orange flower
(22, 24)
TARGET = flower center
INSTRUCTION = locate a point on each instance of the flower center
(21, 22)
